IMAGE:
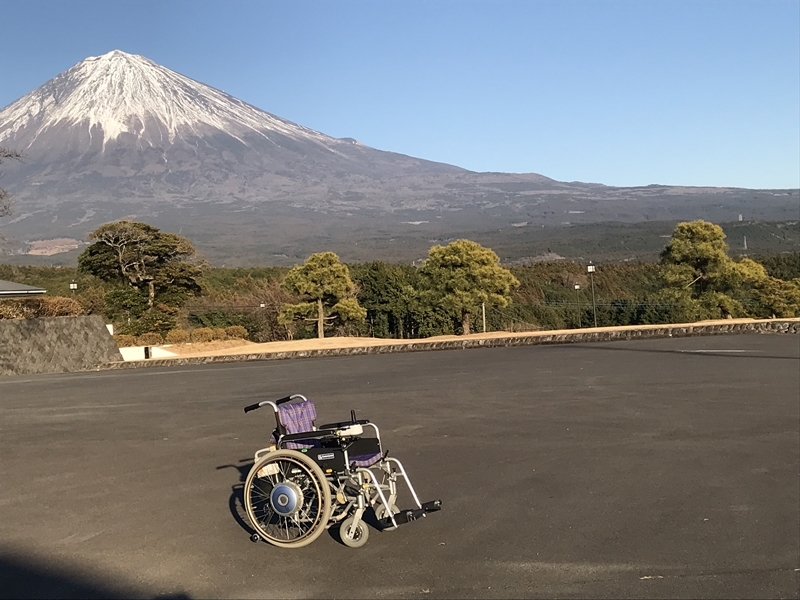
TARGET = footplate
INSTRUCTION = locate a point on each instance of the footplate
(407, 516)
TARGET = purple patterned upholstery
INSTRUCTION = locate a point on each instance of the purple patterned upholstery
(297, 418)
(364, 452)
(365, 460)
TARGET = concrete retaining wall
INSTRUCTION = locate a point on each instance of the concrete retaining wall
(139, 352)
(55, 345)
(791, 326)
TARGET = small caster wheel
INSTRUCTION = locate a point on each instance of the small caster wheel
(255, 538)
(357, 537)
(380, 511)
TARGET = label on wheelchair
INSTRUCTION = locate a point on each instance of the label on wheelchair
(267, 470)
(330, 460)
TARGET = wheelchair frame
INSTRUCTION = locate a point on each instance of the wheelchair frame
(293, 494)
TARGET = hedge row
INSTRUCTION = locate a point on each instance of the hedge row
(181, 336)
(40, 307)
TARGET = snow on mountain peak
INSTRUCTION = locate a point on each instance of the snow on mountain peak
(121, 93)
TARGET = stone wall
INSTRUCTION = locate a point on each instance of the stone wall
(55, 345)
(789, 326)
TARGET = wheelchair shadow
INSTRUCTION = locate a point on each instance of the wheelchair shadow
(236, 500)
(25, 575)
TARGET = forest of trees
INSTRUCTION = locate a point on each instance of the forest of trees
(148, 282)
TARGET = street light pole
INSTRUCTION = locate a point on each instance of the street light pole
(483, 310)
(73, 286)
(590, 268)
(578, 303)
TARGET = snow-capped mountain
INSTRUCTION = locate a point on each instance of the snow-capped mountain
(118, 135)
(108, 96)
(122, 102)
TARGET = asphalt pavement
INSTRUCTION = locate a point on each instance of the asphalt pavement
(653, 468)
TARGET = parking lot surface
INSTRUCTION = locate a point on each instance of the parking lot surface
(654, 468)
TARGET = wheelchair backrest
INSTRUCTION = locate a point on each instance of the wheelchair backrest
(298, 417)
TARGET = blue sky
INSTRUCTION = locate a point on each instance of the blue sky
(615, 92)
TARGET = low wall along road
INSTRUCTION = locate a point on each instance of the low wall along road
(66, 344)
(55, 345)
(359, 346)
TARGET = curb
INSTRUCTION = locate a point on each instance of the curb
(789, 326)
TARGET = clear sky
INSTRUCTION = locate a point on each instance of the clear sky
(616, 92)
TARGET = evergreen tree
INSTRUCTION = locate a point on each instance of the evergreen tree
(141, 256)
(323, 283)
(463, 275)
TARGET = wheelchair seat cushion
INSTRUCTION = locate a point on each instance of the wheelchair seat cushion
(365, 460)
(364, 452)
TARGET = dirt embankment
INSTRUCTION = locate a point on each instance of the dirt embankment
(234, 347)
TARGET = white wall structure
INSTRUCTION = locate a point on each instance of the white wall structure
(137, 352)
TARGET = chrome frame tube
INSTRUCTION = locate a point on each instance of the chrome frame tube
(407, 480)
(363, 471)
(377, 433)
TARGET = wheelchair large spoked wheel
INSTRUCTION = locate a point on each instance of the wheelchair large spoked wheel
(287, 499)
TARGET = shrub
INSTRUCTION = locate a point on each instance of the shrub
(38, 308)
(11, 310)
(124, 303)
(124, 340)
(216, 318)
(236, 332)
(177, 336)
(156, 321)
(150, 339)
(202, 334)
(93, 301)
(151, 320)
(219, 333)
(59, 306)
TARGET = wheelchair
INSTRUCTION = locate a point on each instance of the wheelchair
(311, 478)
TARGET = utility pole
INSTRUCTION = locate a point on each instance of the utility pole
(578, 303)
(590, 268)
(483, 310)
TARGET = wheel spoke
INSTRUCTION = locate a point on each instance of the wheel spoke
(305, 520)
(286, 527)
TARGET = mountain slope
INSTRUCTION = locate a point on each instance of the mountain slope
(125, 111)
(120, 93)
(119, 135)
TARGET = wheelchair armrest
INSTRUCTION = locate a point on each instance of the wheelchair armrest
(343, 424)
(306, 435)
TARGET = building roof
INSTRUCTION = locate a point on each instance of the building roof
(9, 289)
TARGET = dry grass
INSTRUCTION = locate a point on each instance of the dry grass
(203, 347)
(228, 347)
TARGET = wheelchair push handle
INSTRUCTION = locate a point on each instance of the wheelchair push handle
(276, 403)
(289, 399)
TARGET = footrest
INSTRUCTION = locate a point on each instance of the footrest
(407, 516)
(432, 506)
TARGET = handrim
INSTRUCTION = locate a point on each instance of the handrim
(304, 526)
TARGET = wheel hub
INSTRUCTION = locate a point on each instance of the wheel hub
(286, 498)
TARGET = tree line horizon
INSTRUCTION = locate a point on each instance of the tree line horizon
(149, 282)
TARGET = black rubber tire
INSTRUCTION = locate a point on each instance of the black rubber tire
(360, 535)
(317, 497)
(380, 511)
